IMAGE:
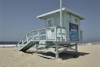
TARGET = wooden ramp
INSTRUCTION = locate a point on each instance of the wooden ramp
(27, 46)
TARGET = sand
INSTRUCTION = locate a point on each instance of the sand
(89, 56)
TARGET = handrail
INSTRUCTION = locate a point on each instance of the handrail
(23, 37)
(28, 33)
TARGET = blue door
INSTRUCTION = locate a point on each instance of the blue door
(73, 32)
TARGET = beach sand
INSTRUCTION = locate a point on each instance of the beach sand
(89, 56)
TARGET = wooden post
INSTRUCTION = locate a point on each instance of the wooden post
(37, 48)
(57, 55)
(76, 48)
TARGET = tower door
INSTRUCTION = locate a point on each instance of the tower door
(73, 32)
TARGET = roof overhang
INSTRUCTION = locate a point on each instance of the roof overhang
(58, 10)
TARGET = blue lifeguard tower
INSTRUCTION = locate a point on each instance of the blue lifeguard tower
(62, 32)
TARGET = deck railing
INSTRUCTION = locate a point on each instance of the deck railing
(45, 34)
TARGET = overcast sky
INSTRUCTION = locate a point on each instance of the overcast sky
(18, 17)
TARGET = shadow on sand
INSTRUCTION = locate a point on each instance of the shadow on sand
(64, 55)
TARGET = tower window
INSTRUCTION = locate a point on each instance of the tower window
(76, 20)
(49, 23)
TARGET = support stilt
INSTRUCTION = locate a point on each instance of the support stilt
(76, 48)
(37, 48)
(57, 55)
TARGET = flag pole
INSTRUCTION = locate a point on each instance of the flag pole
(61, 18)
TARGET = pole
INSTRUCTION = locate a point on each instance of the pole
(61, 18)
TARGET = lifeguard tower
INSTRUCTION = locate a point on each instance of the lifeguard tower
(56, 35)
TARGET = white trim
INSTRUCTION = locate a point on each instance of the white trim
(58, 10)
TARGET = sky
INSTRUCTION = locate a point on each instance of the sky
(18, 17)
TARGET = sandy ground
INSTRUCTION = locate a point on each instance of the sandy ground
(89, 56)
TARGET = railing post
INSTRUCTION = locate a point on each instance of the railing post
(39, 34)
(27, 38)
(17, 47)
(33, 35)
(56, 33)
(21, 44)
(65, 34)
(46, 34)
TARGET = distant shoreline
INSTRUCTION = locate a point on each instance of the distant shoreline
(15, 42)
(8, 42)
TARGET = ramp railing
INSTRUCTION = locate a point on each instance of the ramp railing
(45, 34)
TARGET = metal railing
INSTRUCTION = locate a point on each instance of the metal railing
(46, 34)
